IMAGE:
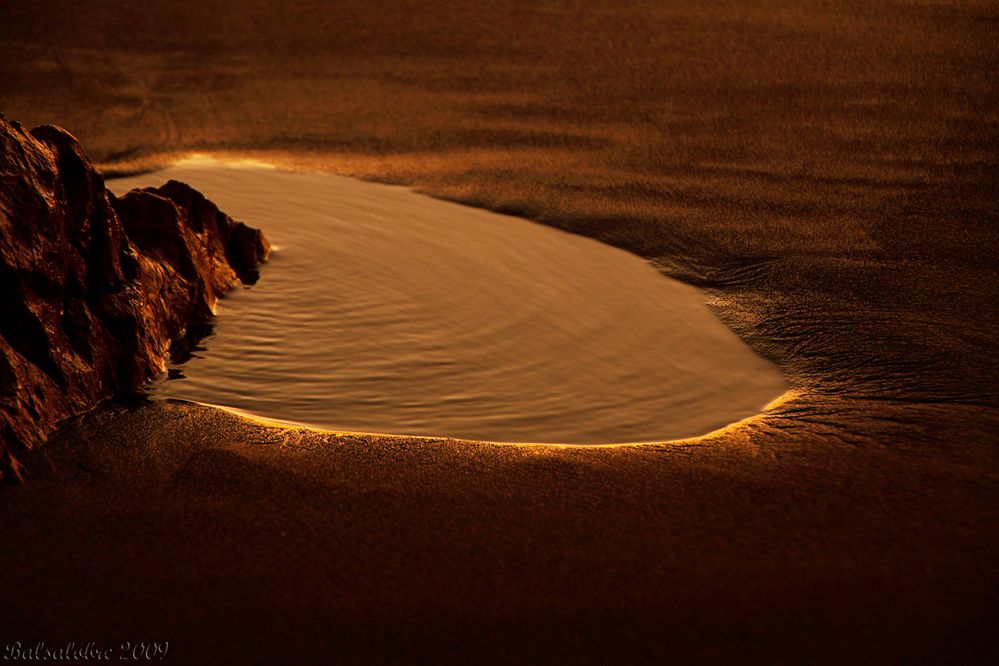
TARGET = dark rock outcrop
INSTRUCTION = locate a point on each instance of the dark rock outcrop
(95, 288)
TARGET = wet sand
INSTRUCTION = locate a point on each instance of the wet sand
(827, 173)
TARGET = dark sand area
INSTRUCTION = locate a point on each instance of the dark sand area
(827, 172)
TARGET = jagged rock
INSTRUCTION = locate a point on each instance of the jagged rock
(95, 288)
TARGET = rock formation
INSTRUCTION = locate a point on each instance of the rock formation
(95, 288)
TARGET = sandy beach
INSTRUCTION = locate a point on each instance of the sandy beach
(827, 174)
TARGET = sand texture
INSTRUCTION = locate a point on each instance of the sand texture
(828, 172)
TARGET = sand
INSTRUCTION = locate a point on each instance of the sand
(828, 173)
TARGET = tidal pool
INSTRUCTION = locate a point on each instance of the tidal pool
(384, 310)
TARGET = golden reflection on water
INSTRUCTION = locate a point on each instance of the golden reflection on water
(383, 310)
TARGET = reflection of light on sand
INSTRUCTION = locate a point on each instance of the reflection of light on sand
(294, 425)
(204, 160)
(383, 310)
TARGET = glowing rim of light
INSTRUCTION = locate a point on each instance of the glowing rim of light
(288, 425)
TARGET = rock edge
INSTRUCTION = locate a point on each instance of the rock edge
(94, 289)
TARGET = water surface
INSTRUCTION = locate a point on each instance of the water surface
(383, 310)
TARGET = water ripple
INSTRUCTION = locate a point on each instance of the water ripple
(383, 310)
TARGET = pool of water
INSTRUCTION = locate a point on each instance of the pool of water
(384, 310)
